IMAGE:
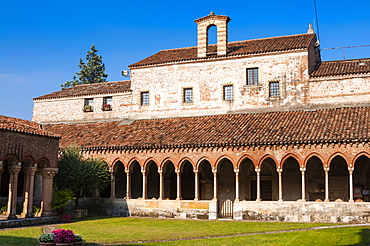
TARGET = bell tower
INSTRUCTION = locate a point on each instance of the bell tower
(204, 23)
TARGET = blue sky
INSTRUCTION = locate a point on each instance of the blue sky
(41, 41)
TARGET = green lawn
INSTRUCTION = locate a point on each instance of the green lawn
(103, 230)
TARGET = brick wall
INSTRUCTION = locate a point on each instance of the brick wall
(23, 145)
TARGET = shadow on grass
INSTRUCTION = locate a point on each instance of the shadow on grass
(17, 241)
(365, 237)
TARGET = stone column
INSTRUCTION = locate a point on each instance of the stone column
(236, 185)
(350, 169)
(196, 193)
(258, 184)
(12, 197)
(28, 193)
(112, 183)
(303, 170)
(326, 169)
(280, 170)
(144, 183)
(128, 183)
(1, 172)
(47, 190)
(160, 171)
(177, 170)
(214, 170)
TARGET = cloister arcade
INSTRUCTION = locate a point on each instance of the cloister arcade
(28, 163)
(24, 184)
(336, 177)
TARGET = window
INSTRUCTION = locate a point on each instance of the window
(144, 98)
(252, 76)
(228, 92)
(88, 104)
(274, 89)
(188, 95)
(107, 104)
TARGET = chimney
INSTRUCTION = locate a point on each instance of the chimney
(204, 23)
(310, 29)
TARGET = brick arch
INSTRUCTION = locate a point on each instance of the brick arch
(132, 160)
(313, 155)
(145, 166)
(265, 157)
(338, 154)
(9, 156)
(164, 162)
(220, 159)
(241, 159)
(43, 160)
(183, 160)
(203, 159)
(29, 159)
(362, 153)
(115, 162)
(290, 155)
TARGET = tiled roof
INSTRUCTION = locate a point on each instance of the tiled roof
(23, 126)
(90, 89)
(343, 67)
(239, 48)
(293, 127)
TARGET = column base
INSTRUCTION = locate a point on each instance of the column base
(178, 199)
(351, 200)
(280, 200)
(196, 199)
(30, 215)
(47, 214)
(258, 200)
(12, 217)
(326, 200)
(236, 200)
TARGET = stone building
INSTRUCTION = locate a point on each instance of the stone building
(255, 129)
(28, 163)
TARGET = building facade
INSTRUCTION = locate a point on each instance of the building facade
(255, 129)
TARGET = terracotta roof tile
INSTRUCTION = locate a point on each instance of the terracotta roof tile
(294, 127)
(239, 48)
(23, 126)
(90, 89)
(342, 67)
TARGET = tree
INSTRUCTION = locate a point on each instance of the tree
(82, 176)
(91, 72)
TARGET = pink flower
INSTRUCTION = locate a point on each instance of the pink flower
(63, 236)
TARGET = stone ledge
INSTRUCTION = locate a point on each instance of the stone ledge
(29, 222)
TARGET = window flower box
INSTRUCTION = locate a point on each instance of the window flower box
(107, 107)
(88, 108)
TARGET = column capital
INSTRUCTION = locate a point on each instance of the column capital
(326, 169)
(303, 169)
(48, 172)
(257, 170)
(127, 170)
(195, 170)
(279, 170)
(143, 171)
(14, 169)
(177, 170)
(350, 169)
(236, 170)
(30, 170)
(160, 171)
(214, 170)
